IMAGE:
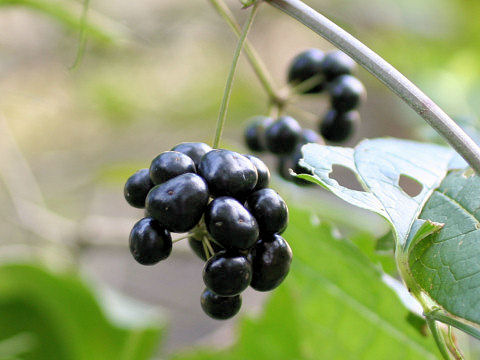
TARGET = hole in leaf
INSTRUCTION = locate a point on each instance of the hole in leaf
(411, 186)
(345, 177)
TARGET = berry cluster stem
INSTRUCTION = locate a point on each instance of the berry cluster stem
(228, 87)
(386, 73)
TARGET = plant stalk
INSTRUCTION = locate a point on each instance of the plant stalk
(228, 87)
(386, 73)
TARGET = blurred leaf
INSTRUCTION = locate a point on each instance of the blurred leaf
(368, 246)
(386, 242)
(63, 320)
(333, 305)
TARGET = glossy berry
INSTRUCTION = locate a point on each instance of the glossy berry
(338, 126)
(270, 211)
(292, 162)
(228, 173)
(230, 224)
(271, 261)
(255, 133)
(283, 135)
(179, 203)
(346, 93)
(150, 242)
(262, 171)
(194, 150)
(197, 247)
(170, 164)
(310, 136)
(305, 66)
(335, 64)
(227, 273)
(137, 187)
(220, 307)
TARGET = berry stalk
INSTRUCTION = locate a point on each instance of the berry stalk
(386, 73)
(228, 87)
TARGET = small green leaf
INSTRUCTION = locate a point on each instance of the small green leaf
(247, 3)
(447, 264)
(386, 242)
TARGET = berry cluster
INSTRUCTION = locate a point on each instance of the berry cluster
(311, 72)
(233, 220)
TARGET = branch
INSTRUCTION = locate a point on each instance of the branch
(386, 73)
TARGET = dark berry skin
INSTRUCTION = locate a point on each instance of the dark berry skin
(227, 273)
(230, 224)
(270, 211)
(283, 135)
(271, 261)
(310, 136)
(137, 187)
(337, 126)
(335, 64)
(170, 164)
(197, 247)
(305, 66)
(194, 150)
(220, 307)
(346, 93)
(179, 203)
(228, 173)
(255, 133)
(292, 162)
(262, 171)
(150, 242)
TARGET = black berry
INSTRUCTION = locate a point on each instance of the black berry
(310, 136)
(170, 164)
(270, 211)
(346, 93)
(194, 150)
(228, 173)
(336, 63)
(150, 242)
(220, 307)
(179, 203)
(227, 273)
(255, 133)
(137, 187)
(262, 171)
(197, 247)
(270, 262)
(338, 126)
(230, 224)
(305, 66)
(283, 135)
(292, 162)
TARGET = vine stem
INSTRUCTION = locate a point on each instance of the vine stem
(439, 340)
(253, 58)
(228, 87)
(386, 73)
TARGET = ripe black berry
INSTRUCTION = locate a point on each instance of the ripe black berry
(255, 133)
(305, 66)
(228, 173)
(270, 211)
(310, 136)
(220, 307)
(270, 262)
(137, 187)
(170, 164)
(150, 242)
(338, 126)
(197, 247)
(346, 93)
(230, 224)
(227, 273)
(283, 135)
(292, 162)
(262, 171)
(179, 203)
(195, 150)
(336, 63)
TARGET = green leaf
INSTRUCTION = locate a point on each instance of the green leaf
(44, 315)
(447, 264)
(379, 164)
(333, 305)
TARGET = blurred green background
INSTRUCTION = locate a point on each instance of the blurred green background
(152, 76)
